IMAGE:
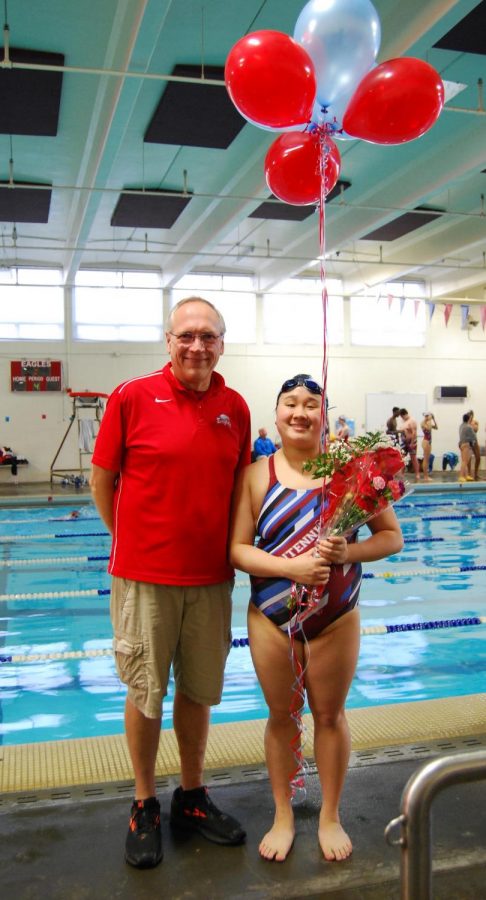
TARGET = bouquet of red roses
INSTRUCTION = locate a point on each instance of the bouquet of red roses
(360, 487)
(363, 477)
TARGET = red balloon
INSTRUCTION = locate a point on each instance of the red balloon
(293, 167)
(271, 79)
(396, 102)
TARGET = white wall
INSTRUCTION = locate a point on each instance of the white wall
(452, 356)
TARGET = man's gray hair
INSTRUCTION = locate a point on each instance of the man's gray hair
(170, 318)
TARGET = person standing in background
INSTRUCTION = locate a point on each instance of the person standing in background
(409, 432)
(427, 424)
(263, 446)
(467, 437)
(475, 449)
(391, 425)
(167, 454)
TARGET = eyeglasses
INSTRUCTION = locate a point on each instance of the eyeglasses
(301, 381)
(188, 337)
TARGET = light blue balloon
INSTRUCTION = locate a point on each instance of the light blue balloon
(301, 127)
(342, 37)
(332, 116)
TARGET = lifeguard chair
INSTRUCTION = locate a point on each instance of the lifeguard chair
(82, 401)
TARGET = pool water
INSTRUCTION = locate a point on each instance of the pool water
(44, 551)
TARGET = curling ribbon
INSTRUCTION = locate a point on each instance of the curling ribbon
(300, 596)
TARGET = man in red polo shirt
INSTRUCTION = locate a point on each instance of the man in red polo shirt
(166, 456)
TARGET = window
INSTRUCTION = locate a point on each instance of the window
(393, 317)
(117, 306)
(233, 296)
(32, 307)
(293, 312)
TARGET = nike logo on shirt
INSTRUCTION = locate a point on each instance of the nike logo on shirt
(162, 401)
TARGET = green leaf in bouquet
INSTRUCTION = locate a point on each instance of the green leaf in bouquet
(340, 452)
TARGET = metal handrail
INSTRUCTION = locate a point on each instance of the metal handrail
(414, 820)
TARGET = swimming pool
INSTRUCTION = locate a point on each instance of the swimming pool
(54, 589)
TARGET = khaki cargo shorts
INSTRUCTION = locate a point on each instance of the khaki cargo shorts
(156, 625)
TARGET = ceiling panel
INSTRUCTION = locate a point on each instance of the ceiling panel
(136, 210)
(113, 118)
(29, 98)
(195, 115)
(467, 36)
(24, 203)
(402, 225)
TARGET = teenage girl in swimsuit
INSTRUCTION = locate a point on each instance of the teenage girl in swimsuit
(427, 424)
(279, 502)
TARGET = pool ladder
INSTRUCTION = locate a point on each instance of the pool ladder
(414, 820)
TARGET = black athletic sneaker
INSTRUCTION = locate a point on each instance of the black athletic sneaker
(194, 811)
(143, 847)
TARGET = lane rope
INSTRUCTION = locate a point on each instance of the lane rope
(55, 595)
(431, 571)
(101, 592)
(244, 642)
(429, 505)
(80, 520)
(8, 538)
(11, 538)
(404, 520)
(50, 560)
(62, 560)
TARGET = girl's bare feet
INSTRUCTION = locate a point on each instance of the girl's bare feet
(276, 843)
(335, 843)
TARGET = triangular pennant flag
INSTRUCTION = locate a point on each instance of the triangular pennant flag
(431, 309)
(483, 316)
(390, 299)
(402, 304)
(416, 307)
(464, 314)
(447, 312)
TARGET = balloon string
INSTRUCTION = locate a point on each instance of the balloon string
(325, 428)
(297, 776)
(301, 596)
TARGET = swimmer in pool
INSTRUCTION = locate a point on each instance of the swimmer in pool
(74, 514)
(280, 504)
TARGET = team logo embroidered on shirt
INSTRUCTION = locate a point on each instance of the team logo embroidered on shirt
(223, 419)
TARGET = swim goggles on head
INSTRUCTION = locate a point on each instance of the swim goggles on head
(301, 381)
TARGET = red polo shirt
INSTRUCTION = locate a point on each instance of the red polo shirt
(177, 452)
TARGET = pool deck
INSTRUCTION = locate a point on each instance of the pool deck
(64, 805)
(42, 770)
(66, 843)
(74, 851)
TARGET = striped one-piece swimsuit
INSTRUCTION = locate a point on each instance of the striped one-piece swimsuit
(288, 525)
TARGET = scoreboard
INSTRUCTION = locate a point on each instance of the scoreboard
(35, 375)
